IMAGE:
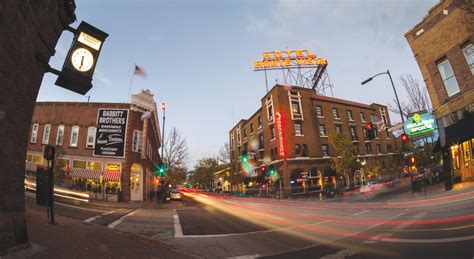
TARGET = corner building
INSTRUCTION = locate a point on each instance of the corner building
(72, 128)
(291, 131)
(443, 45)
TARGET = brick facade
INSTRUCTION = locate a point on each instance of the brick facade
(29, 31)
(269, 151)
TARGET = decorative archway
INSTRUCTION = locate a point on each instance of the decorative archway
(298, 181)
(315, 180)
(136, 182)
(359, 178)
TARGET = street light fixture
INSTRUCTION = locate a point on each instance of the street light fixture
(394, 90)
(163, 107)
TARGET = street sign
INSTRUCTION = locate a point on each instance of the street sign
(398, 126)
(381, 125)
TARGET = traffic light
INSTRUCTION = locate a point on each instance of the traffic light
(404, 139)
(412, 160)
(263, 169)
(244, 157)
(49, 151)
(271, 170)
(370, 131)
(160, 169)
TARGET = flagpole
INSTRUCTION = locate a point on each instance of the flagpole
(131, 82)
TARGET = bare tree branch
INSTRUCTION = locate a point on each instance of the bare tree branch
(176, 150)
(416, 94)
(224, 153)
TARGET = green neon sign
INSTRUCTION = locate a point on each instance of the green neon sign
(420, 124)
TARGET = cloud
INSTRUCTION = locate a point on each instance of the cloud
(99, 74)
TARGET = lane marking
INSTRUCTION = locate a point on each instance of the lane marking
(360, 212)
(178, 231)
(245, 256)
(118, 221)
(89, 220)
(340, 254)
(435, 229)
(427, 241)
(79, 208)
(410, 221)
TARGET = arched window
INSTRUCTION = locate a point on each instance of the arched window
(297, 150)
(304, 150)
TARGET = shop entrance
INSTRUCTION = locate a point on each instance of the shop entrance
(136, 183)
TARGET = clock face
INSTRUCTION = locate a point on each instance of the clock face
(82, 59)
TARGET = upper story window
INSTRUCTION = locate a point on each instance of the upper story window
(364, 131)
(325, 149)
(383, 114)
(322, 130)
(468, 52)
(60, 135)
(91, 137)
(34, 133)
(372, 118)
(304, 150)
(338, 129)
(349, 115)
(356, 148)
(353, 133)
(245, 133)
(269, 102)
(238, 137)
(232, 140)
(368, 148)
(295, 102)
(362, 116)
(378, 149)
(259, 121)
(297, 150)
(74, 136)
(448, 77)
(319, 111)
(46, 133)
(272, 132)
(251, 128)
(389, 147)
(335, 113)
(137, 141)
(298, 130)
(260, 142)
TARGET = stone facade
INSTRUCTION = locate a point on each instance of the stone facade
(446, 34)
(304, 150)
(29, 31)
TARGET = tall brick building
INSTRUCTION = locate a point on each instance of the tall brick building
(75, 138)
(29, 31)
(443, 45)
(294, 123)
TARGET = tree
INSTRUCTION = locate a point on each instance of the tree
(224, 154)
(204, 172)
(417, 95)
(176, 152)
(345, 161)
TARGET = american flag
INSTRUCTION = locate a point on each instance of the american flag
(140, 72)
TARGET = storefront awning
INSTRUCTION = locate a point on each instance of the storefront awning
(111, 176)
(85, 174)
(461, 131)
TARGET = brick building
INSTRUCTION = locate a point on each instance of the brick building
(72, 127)
(294, 123)
(29, 32)
(442, 44)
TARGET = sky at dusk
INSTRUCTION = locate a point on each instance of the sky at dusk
(199, 54)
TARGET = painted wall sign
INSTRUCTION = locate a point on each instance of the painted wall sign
(420, 124)
(111, 132)
(288, 59)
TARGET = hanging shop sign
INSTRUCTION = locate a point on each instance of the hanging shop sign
(111, 132)
(288, 59)
(420, 124)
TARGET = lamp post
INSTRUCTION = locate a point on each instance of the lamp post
(163, 107)
(394, 90)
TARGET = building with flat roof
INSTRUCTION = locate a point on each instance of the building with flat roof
(442, 44)
(107, 149)
(290, 133)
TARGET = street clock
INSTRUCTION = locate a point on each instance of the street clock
(78, 69)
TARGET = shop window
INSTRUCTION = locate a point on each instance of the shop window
(62, 162)
(467, 155)
(91, 137)
(468, 52)
(79, 164)
(34, 133)
(448, 77)
(46, 133)
(113, 166)
(94, 165)
(37, 159)
(456, 157)
(29, 158)
(60, 135)
(137, 141)
(74, 136)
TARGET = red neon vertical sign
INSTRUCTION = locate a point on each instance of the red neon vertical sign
(280, 134)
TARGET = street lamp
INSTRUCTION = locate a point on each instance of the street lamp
(163, 107)
(394, 90)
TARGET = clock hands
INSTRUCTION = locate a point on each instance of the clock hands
(82, 61)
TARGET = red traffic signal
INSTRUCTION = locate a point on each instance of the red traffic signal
(404, 137)
(263, 169)
(369, 126)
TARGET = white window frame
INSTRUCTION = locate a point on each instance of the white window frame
(446, 77)
(468, 52)
(383, 114)
(91, 131)
(323, 127)
(34, 133)
(77, 130)
(137, 140)
(239, 137)
(362, 116)
(337, 113)
(351, 116)
(46, 133)
(321, 109)
(295, 98)
(327, 150)
(269, 103)
(60, 141)
(301, 129)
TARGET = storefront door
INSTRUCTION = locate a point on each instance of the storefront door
(136, 183)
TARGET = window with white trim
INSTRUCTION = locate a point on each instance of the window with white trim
(269, 103)
(238, 137)
(322, 130)
(378, 148)
(94, 165)
(60, 135)
(295, 104)
(34, 133)
(349, 115)
(319, 111)
(335, 113)
(298, 130)
(46, 133)
(232, 140)
(448, 77)
(259, 121)
(325, 150)
(90, 143)
(272, 131)
(362, 116)
(468, 52)
(74, 136)
(81, 164)
(383, 114)
(137, 141)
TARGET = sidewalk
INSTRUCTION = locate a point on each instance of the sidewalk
(434, 191)
(70, 238)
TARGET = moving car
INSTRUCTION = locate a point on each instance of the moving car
(369, 187)
(175, 195)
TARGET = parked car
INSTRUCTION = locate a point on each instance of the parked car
(175, 195)
(370, 186)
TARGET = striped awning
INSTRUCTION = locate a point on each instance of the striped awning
(85, 174)
(111, 176)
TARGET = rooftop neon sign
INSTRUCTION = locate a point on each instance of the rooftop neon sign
(288, 59)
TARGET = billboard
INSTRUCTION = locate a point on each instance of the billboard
(111, 132)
